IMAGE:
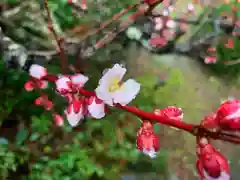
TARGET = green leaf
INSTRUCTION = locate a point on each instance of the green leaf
(21, 136)
(100, 172)
(34, 137)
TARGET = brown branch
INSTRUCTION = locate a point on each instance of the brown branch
(64, 59)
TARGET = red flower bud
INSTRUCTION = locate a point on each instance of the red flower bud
(158, 41)
(44, 101)
(29, 86)
(58, 119)
(147, 141)
(228, 115)
(170, 112)
(210, 122)
(211, 164)
(35, 84)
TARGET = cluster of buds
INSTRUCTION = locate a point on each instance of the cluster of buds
(111, 90)
(147, 141)
(165, 27)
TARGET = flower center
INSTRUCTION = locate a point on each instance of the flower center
(114, 85)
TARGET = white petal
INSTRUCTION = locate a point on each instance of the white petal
(127, 93)
(151, 153)
(74, 118)
(62, 83)
(134, 33)
(158, 27)
(224, 176)
(117, 71)
(37, 71)
(236, 114)
(158, 20)
(102, 91)
(171, 24)
(190, 7)
(170, 8)
(165, 12)
(103, 94)
(96, 110)
(79, 79)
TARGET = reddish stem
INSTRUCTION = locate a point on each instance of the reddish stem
(160, 119)
(195, 130)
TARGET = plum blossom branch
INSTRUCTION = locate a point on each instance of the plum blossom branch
(111, 91)
(162, 117)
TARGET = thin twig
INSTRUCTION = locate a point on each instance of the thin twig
(64, 59)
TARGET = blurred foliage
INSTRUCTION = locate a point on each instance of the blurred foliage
(226, 54)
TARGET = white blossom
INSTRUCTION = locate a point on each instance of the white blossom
(111, 89)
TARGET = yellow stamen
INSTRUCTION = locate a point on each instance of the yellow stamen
(114, 85)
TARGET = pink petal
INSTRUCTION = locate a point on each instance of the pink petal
(210, 60)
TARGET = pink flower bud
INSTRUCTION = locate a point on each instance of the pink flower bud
(229, 44)
(170, 112)
(38, 101)
(58, 119)
(29, 86)
(75, 111)
(84, 4)
(228, 115)
(210, 60)
(158, 41)
(147, 141)
(48, 105)
(37, 71)
(44, 101)
(96, 107)
(211, 165)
